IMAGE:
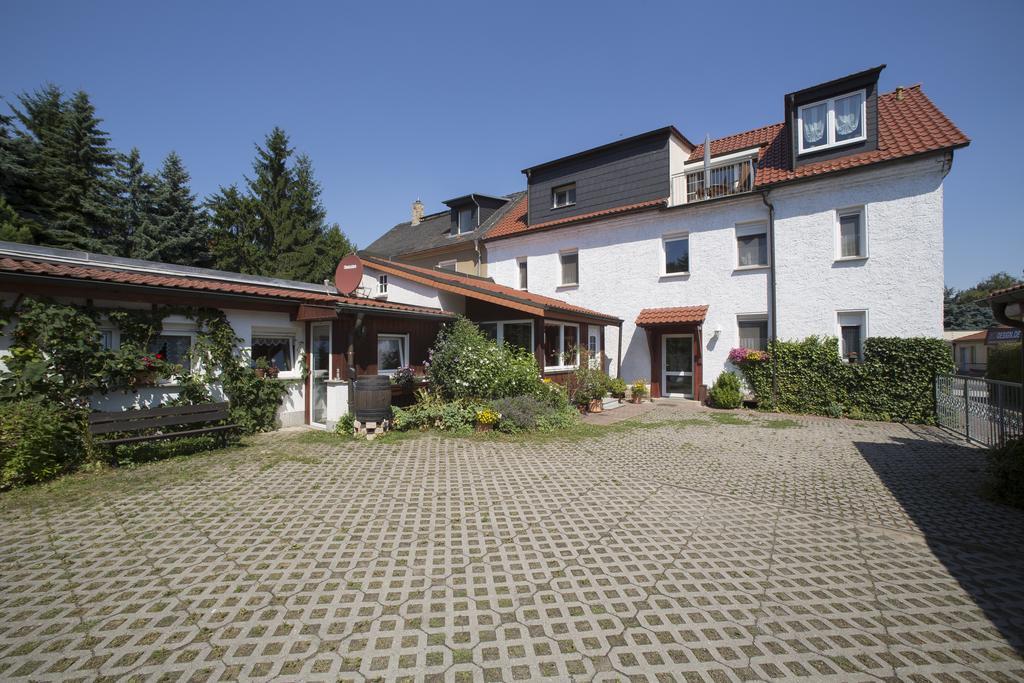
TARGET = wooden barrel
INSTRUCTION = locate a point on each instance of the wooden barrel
(372, 398)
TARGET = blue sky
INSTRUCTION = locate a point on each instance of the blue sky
(396, 101)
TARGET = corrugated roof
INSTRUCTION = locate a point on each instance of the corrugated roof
(484, 289)
(678, 315)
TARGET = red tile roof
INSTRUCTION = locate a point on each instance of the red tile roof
(907, 126)
(514, 223)
(485, 290)
(974, 336)
(1007, 290)
(680, 315)
(72, 271)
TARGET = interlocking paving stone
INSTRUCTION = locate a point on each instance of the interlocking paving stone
(685, 550)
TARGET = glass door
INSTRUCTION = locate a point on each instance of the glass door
(319, 371)
(677, 365)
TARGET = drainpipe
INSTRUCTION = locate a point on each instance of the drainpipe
(772, 303)
(618, 355)
(350, 355)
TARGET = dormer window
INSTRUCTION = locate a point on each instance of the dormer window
(563, 195)
(467, 219)
(832, 122)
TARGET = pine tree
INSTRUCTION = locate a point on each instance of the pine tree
(332, 247)
(12, 227)
(235, 229)
(182, 227)
(73, 193)
(137, 209)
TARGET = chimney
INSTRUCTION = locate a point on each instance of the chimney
(899, 94)
(417, 212)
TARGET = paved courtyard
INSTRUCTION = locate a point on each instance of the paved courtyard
(678, 548)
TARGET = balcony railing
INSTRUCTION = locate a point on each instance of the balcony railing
(728, 179)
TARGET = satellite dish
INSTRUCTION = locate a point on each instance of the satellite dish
(349, 274)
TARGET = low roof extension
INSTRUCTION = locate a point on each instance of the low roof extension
(485, 289)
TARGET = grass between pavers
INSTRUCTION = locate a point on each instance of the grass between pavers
(97, 483)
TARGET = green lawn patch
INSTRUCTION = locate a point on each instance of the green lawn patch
(729, 419)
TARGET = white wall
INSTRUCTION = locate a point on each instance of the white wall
(899, 285)
(403, 291)
(292, 410)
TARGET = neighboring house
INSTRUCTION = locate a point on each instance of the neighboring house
(448, 240)
(280, 320)
(829, 223)
(970, 350)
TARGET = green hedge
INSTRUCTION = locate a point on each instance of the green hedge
(1004, 363)
(895, 381)
(39, 440)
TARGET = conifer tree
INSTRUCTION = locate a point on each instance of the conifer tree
(137, 209)
(12, 227)
(182, 227)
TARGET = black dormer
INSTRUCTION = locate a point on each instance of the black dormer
(834, 119)
(471, 211)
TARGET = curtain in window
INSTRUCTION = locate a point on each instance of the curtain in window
(276, 350)
(851, 342)
(570, 269)
(848, 121)
(754, 334)
(814, 120)
(849, 235)
(752, 250)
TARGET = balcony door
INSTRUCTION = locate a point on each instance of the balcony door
(677, 365)
(319, 371)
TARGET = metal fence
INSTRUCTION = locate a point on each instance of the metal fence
(983, 410)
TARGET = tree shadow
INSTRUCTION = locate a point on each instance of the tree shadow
(939, 483)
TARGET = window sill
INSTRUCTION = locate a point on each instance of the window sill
(851, 259)
(834, 145)
(574, 285)
(563, 206)
(674, 276)
(561, 368)
(747, 269)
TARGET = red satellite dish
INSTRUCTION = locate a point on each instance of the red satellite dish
(349, 274)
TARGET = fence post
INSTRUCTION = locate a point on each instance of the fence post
(967, 410)
(1002, 415)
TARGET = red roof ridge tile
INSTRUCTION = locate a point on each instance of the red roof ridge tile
(673, 315)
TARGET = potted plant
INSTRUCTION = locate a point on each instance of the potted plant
(486, 418)
(617, 388)
(638, 391)
(149, 369)
(262, 365)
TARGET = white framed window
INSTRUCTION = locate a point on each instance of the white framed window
(173, 347)
(513, 332)
(675, 254)
(851, 234)
(108, 339)
(561, 346)
(466, 220)
(522, 279)
(569, 262)
(277, 349)
(752, 245)
(594, 347)
(392, 353)
(852, 330)
(450, 264)
(753, 331)
(382, 285)
(832, 122)
(563, 195)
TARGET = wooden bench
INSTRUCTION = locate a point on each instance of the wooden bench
(165, 416)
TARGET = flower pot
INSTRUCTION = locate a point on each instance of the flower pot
(596, 406)
(145, 378)
(636, 399)
(261, 373)
(484, 428)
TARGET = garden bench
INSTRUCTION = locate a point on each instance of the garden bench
(165, 416)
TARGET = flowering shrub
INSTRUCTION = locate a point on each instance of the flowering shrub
(741, 355)
(531, 413)
(464, 363)
(403, 376)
